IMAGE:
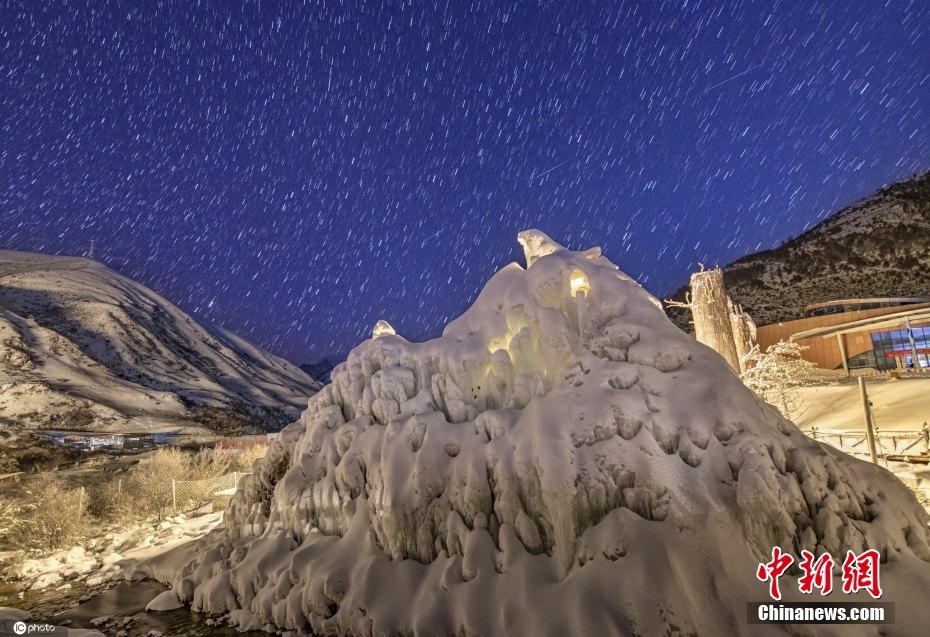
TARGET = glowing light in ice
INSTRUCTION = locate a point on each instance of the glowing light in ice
(579, 283)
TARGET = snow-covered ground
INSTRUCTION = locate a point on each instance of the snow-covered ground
(897, 405)
(94, 566)
(110, 557)
(561, 461)
(82, 347)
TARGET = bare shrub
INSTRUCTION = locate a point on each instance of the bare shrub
(109, 501)
(245, 459)
(48, 517)
(207, 464)
(149, 482)
(8, 464)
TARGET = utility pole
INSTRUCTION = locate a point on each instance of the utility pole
(869, 430)
(915, 364)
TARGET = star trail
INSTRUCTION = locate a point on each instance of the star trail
(296, 171)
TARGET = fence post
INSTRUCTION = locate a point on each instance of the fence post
(174, 495)
(119, 488)
(81, 502)
(867, 408)
(235, 484)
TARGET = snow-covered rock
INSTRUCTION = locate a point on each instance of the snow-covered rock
(110, 559)
(524, 474)
(45, 580)
(164, 602)
(14, 614)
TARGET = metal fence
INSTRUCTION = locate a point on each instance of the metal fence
(189, 495)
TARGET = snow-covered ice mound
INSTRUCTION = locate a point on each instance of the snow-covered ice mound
(561, 461)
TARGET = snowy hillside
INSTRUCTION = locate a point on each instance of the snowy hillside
(83, 347)
(877, 247)
(553, 464)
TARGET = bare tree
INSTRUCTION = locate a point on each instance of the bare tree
(776, 375)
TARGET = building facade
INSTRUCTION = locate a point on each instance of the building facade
(850, 334)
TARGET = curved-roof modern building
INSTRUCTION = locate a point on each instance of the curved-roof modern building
(848, 334)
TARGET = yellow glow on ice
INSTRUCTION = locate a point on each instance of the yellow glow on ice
(579, 283)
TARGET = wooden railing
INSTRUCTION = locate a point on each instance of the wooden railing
(902, 444)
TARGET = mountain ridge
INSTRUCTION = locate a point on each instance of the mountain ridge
(878, 246)
(82, 346)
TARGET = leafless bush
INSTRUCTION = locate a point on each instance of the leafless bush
(208, 464)
(109, 501)
(148, 485)
(8, 464)
(45, 516)
(149, 482)
(777, 374)
(248, 455)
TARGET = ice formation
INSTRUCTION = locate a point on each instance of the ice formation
(382, 328)
(524, 474)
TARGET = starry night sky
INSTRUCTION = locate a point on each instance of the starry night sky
(296, 171)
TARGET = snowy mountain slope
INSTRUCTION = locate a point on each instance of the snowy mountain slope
(319, 370)
(550, 465)
(84, 347)
(877, 247)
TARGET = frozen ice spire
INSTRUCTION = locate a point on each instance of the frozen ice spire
(382, 328)
(591, 460)
(536, 243)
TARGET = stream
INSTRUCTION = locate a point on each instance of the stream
(124, 606)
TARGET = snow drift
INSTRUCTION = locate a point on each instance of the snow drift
(561, 461)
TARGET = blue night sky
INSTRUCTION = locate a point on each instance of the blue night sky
(296, 171)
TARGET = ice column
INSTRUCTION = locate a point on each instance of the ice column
(580, 287)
